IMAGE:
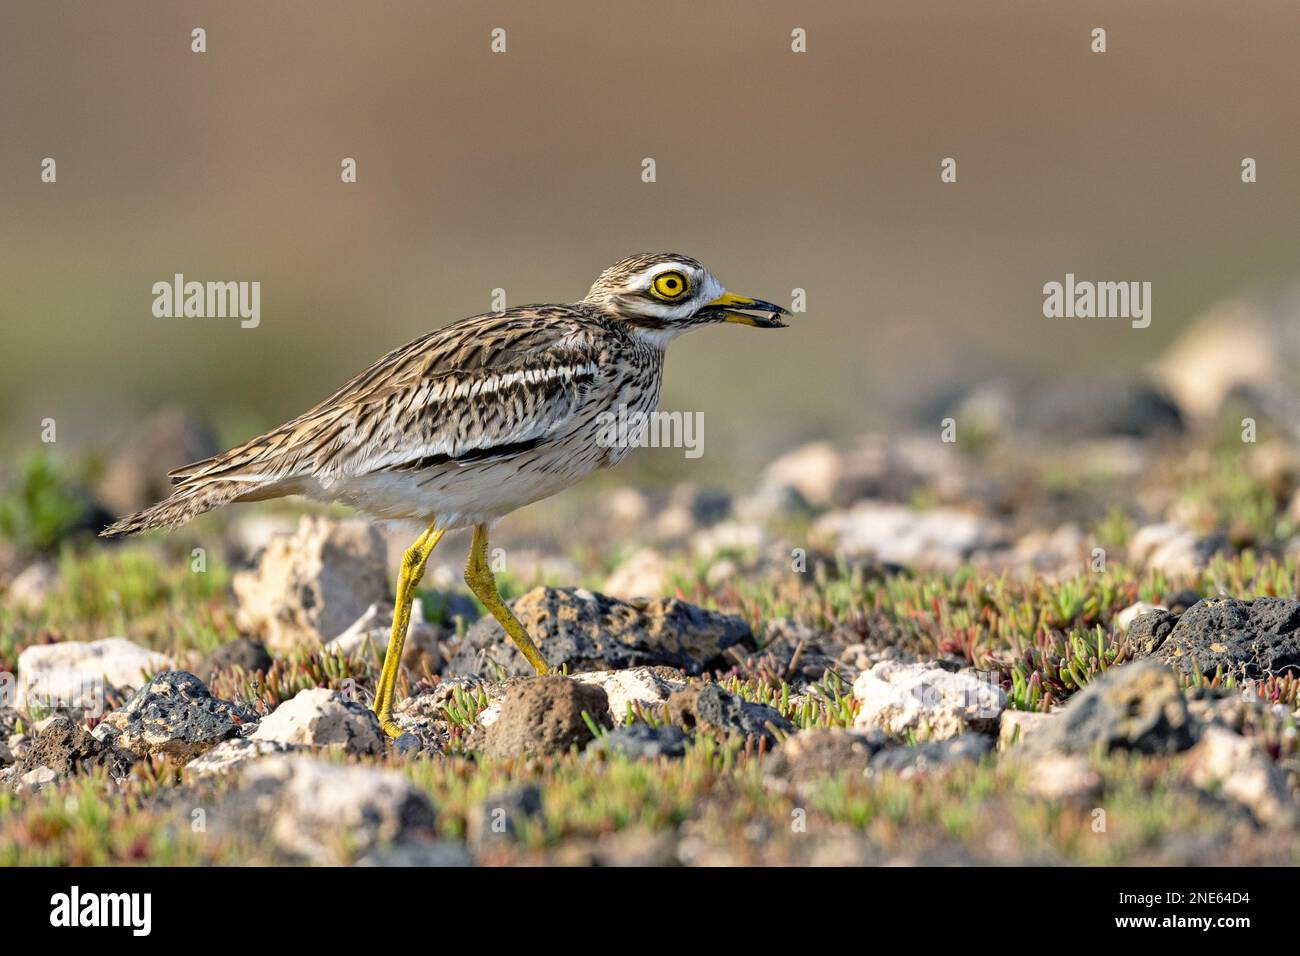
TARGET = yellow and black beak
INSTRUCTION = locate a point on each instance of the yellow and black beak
(738, 308)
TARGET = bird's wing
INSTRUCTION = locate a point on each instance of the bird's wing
(487, 386)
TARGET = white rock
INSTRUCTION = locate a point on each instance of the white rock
(32, 585)
(34, 780)
(1125, 618)
(311, 586)
(1239, 768)
(1169, 548)
(646, 573)
(330, 814)
(1016, 726)
(320, 717)
(231, 755)
(941, 537)
(813, 470)
(72, 673)
(644, 686)
(933, 702)
(1233, 345)
(370, 634)
(1061, 776)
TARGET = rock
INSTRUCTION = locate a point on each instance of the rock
(1125, 618)
(320, 717)
(1173, 549)
(689, 509)
(1248, 639)
(135, 474)
(591, 632)
(1061, 552)
(498, 816)
(1241, 344)
(643, 575)
(175, 715)
(30, 588)
(244, 653)
(369, 634)
(1017, 726)
(1101, 408)
(407, 744)
(66, 748)
(542, 716)
(1239, 768)
(329, 814)
(812, 756)
(710, 708)
(1135, 706)
(772, 503)
(641, 742)
(812, 470)
(1150, 630)
(940, 538)
(311, 586)
(645, 687)
(72, 674)
(928, 700)
(232, 755)
(931, 755)
(36, 780)
(1062, 777)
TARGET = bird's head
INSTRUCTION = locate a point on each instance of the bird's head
(664, 294)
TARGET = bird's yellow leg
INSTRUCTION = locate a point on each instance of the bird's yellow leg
(408, 578)
(479, 577)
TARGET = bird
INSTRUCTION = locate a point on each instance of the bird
(472, 421)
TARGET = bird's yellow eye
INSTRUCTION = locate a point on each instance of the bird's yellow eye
(670, 285)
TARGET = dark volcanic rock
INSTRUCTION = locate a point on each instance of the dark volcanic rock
(498, 816)
(1134, 706)
(595, 632)
(1148, 631)
(66, 747)
(243, 652)
(1249, 639)
(710, 708)
(174, 714)
(1137, 409)
(932, 754)
(641, 742)
(543, 716)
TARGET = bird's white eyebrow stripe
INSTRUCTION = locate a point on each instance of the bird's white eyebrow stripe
(476, 387)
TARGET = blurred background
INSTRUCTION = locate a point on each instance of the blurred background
(522, 171)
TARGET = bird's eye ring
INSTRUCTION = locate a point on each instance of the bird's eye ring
(669, 285)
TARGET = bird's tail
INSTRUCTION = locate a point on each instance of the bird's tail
(186, 502)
